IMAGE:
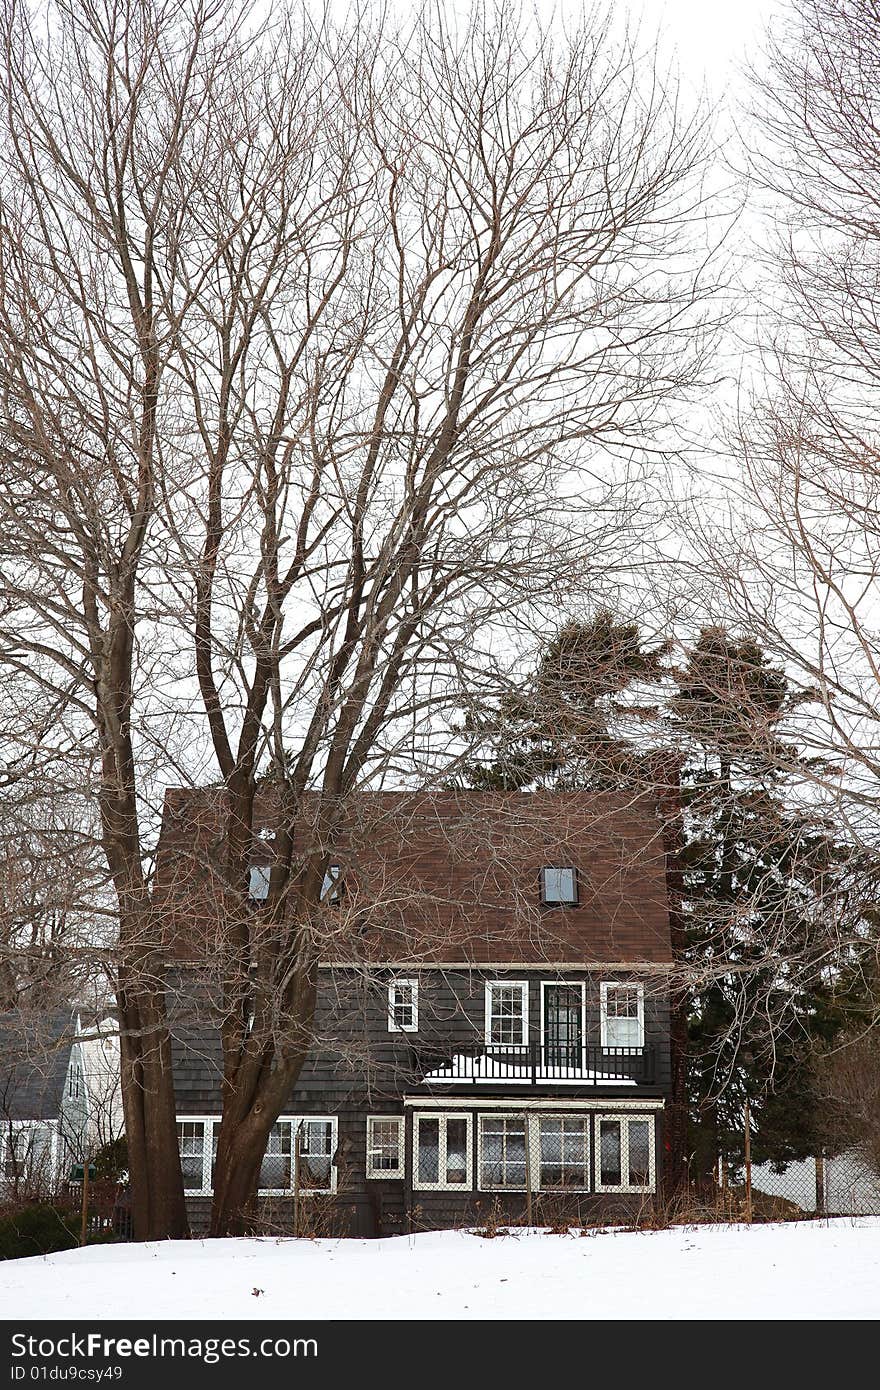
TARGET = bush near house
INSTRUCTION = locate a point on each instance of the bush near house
(38, 1229)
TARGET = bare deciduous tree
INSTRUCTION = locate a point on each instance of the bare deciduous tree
(327, 357)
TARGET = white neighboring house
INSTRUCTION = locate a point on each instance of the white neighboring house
(99, 1050)
(44, 1101)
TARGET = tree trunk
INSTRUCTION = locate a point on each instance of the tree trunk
(157, 1201)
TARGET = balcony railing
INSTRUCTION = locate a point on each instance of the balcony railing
(533, 1064)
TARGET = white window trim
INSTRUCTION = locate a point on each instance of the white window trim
(531, 1130)
(535, 1161)
(209, 1121)
(410, 1027)
(533, 1139)
(388, 1173)
(35, 1128)
(624, 1185)
(565, 984)
(444, 1116)
(523, 987)
(603, 1012)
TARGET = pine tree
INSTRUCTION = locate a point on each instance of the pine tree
(759, 877)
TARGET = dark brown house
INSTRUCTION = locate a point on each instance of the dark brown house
(492, 1017)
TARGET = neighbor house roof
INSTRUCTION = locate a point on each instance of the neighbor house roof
(447, 876)
(34, 1057)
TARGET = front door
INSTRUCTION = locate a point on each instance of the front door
(563, 1026)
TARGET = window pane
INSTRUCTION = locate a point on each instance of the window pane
(639, 1153)
(503, 1151)
(384, 1146)
(564, 1147)
(316, 1154)
(507, 1014)
(559, 885)
(191, 1142)
(429, 1150)
(622, 1032)
(402, 1005)
(456, 1151)
(609, 1153)
(275, 1169)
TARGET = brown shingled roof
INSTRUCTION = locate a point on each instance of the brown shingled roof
(447, 876)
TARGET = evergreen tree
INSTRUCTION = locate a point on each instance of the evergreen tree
(556, 730)
(758, 874)
(760, 877)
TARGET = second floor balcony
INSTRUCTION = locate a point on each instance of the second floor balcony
(540, 1065)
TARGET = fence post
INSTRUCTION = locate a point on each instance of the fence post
(85, 1202)
(297, 1148)
(820, 1183)
(748, 1137)
(528, 1130)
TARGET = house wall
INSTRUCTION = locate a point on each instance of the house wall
(359, 1068)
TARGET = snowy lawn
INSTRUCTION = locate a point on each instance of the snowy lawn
(828, 1269)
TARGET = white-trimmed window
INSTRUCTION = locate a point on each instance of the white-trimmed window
(625, 1153)
(403, 1006)
(622, 1012)
(193, 1141)
(276, 1169)
(442, 1152)
(502, 1143)
(559, 886)
(564, 1153)
(197, 1140)
(557, 1147)
(74, 1081)
(258, 882)
(507, 1013)
(385, 1146)
(317, 1149)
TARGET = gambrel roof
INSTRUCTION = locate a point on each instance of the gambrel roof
(443, 877)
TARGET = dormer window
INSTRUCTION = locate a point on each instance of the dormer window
(559, 886)
(403, 1006)
(258, 887)
(331, 888)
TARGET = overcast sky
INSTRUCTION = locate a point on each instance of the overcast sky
(711, 37)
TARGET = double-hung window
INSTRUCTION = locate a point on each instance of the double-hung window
(193, 1138)
(385, 1146)
(403, 1006)
(622, 1011)
(625, 1153)
(276, 1169)
(317, 1147)
(507, 1013)
(441, 1152)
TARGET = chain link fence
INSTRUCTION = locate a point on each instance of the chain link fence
(835, 1185)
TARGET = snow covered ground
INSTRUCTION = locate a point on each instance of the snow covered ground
(824, 1270)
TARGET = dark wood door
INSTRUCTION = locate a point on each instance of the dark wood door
(563, 1025)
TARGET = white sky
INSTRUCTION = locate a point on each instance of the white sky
(711, 37)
